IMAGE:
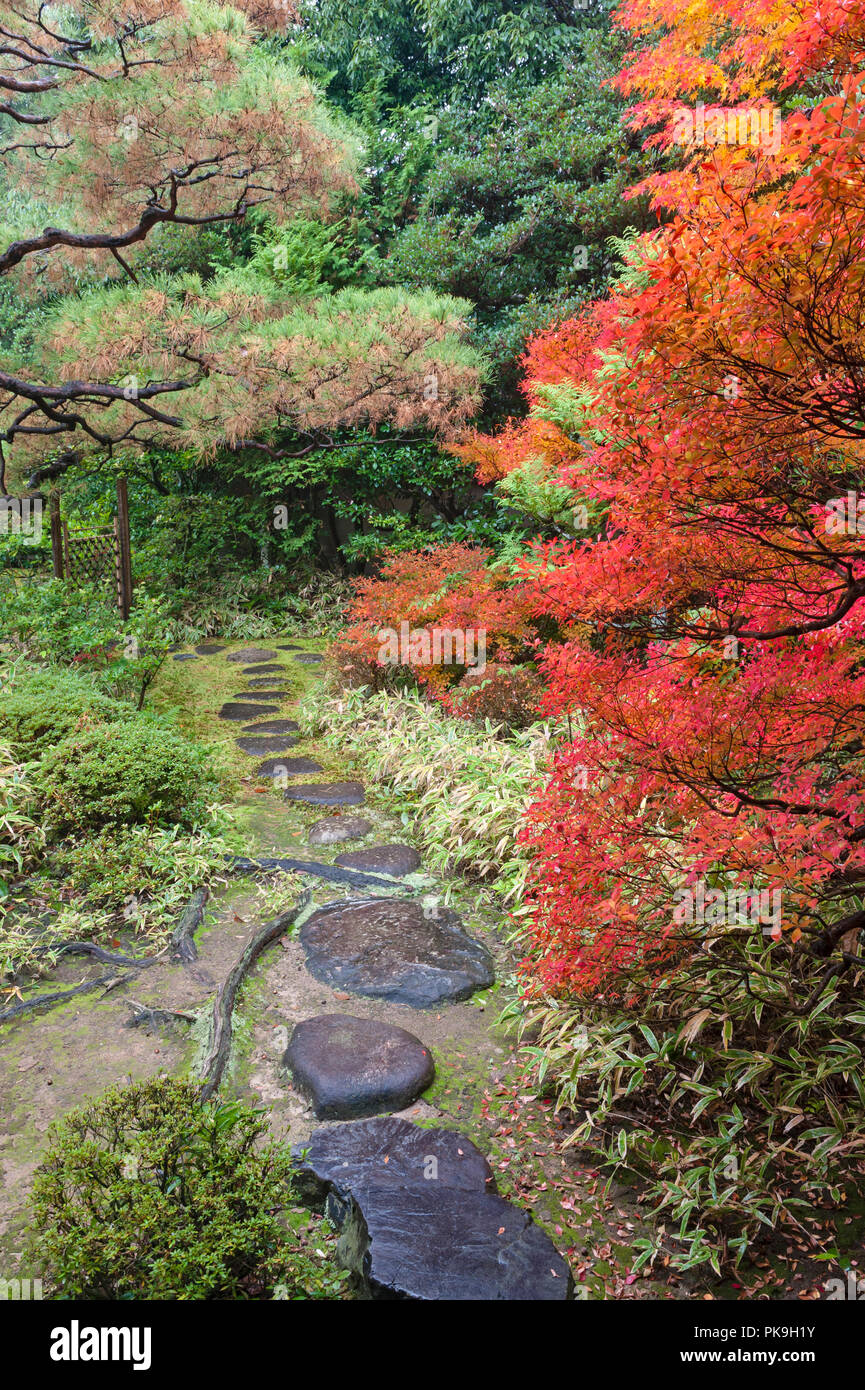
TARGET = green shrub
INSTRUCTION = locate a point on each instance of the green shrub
(46, 706)
(463, 790)
(147, 1194)
(139, 771)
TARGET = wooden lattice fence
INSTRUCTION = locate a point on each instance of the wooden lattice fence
(103, 556)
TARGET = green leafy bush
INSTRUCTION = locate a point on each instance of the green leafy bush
(761, 1126)
(43, 707)
(147, 1194)
(140, 771)
(462, 790)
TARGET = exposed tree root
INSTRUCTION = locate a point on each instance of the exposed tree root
(223, 1005)
(183, 946)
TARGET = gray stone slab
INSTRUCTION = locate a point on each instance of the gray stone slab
(337, 829)
(327, 793)
(388, 949)
(395, 859)
(350, 1067)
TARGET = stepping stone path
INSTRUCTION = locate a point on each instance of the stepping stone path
(273, 726)
(421, 1219)
(263, 670)
(419, 1214)
(240, 713)
(395, 860)
(388, 949)
(288, 767)
(337, 829)
(256, 746)
(350, 1067)
(248, 655)
(327, 793)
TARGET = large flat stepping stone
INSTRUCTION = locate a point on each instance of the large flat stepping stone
(350, 1067)
(263, 669)
(288, 767)
(395, 860)
(291, 647)
(257, 746)
(338, 1160)
(388, 949)
(209, 648)
(273, 726)
(327, 793)
(267, 683)
(259, 695)
(337, 829)
(429, 1245)
(250, 655)
(242, 712)
(420, 1217)
(309, 657)
(184, 656)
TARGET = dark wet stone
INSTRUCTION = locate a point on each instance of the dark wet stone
(338, 1160)
(431, 1245)
(263, 669)
(336, 829)
(288, 767)
(209, 648)
(395, 860)
(420, 1217)
(327, 793)
(273, 726)
(256, 746)
(241, 713)
(185, 656)
(389, 949)
(275, 695)
(309, 657)
(248, 655)
(292, 647)
(268, 683)
(349, 1067)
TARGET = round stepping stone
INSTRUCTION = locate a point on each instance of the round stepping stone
(388, 949)
(327, 793)
(337, 1160)
(267, 683)
(241, 713)
(350, 1067)
(336, 829)
(273, 726)
(309, 657)
(264, 669)
(209, 648)
(288, 767)
(184, 656)
(248, 655)
(395, 860)
(255, 747)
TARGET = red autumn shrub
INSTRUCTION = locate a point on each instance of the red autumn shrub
(438, 614)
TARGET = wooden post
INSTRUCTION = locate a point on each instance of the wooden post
(56, 536)
(124, 555)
